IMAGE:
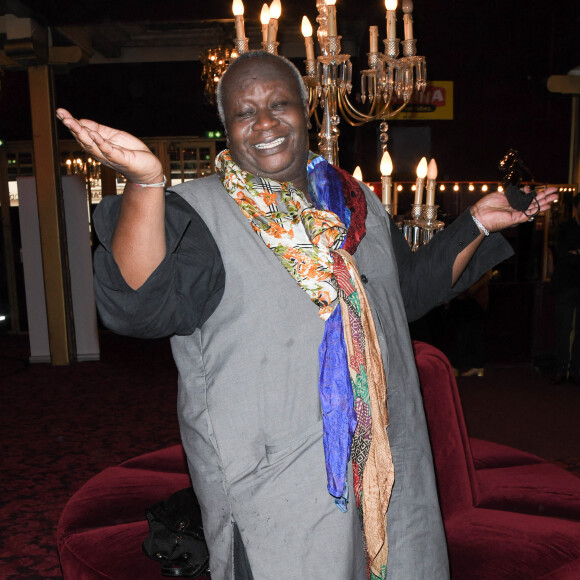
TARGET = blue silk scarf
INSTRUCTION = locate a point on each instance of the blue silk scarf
(334, 385)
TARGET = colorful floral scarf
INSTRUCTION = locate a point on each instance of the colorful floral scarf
(352, 386)
(301, 237)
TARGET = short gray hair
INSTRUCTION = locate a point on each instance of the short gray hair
(251, 54)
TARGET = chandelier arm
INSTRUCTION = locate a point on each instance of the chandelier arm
(311, 109)
(391, 114)
(372, 114)
(378, 109)
(385, 106)
(349, 110)
(312, 101)
(317, 118)
(346, 115)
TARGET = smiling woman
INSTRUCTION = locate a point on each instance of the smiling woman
(266, 118)
(284, 370)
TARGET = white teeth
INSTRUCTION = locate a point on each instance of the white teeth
(270, 145)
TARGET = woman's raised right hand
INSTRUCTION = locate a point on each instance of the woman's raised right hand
(116, 149)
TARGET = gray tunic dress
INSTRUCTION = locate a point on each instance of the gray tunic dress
(248, 402)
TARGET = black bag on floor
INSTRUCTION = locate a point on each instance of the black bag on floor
(176, 537)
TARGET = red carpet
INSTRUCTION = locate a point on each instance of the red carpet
(62, 425)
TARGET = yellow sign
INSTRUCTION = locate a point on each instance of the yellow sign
(435, 102)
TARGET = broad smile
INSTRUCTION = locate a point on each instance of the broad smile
(270, 144)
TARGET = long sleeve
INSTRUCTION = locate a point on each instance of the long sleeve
(425, 275)
(180, 294)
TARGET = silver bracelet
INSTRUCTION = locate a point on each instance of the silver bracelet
(481, 227)
(162, 184)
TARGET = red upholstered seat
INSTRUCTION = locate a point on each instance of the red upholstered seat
(487, 544)
(518, 519)
(541, 489)
(170, 460)
(109, 552)
(488, 455)
(102, 528)
(508, 515)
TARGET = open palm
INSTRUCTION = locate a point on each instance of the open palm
(116, 149)
(495, 212)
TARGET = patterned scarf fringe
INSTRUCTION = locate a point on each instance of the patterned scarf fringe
(371, 451)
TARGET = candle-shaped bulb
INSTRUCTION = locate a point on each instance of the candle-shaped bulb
(331, 17)
(421, 173)
(432, 170)
(357, 173)
(308, 42)
(276, 9)
(386, 164)
(265, 14)
(431, 177)
(374, 38)
(386, 168)
(265, 19)
(238, 8)
(306, 27)
(408, 19)
(391, 6)
(422, 168)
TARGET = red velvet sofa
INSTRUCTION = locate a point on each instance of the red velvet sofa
(507, 514)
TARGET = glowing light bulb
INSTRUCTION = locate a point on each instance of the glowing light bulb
(306, 27)
(308, 42)
(265, 14)
(275, 9)
(386, 164)
(422, 168)
(238, 8)
(386, 168)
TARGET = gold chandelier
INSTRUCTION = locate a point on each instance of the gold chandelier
(215, 62)
(386, 86)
